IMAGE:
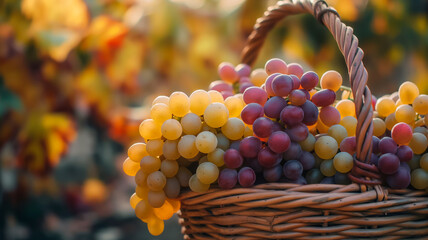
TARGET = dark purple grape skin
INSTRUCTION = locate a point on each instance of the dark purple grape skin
(262, 127)
(309, 80)
(296, 81)
(327, 180)
(310, 113)
(308, 95)
(273, 174)
(243, 86)
(254, 164)
(233, 159)
(300, 180)
(314, 176)
(297, 97)
(235, 145)
(268, 83)
(274, 106)
(292, 169)
(324, 98)
(246, 177)
(405, 165)
(375, 144)
(374, 159)
(387, 145)
(282, 85)
(307, 160)
(341, 178)
(293, 152)
(227, 178)
(250, 147)
(388, 163)
(292, 115)
(251, 112)
(267, 158)
(400, 179)
(404, 153)
(279, 142)
(298, 133)
(276, 127)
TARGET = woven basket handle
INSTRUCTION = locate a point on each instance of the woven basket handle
(348, 45)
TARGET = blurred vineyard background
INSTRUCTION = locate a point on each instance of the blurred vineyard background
(78, 76)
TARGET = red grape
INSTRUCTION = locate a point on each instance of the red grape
(267, 158)
(293, 152)
(227, 72)
(282, 85)
(298, 132)
(293, 169)
(296, 81)
(251, 112)
(250, 147)
(309, 80)
(292, 115)
(295, 69)
(388, 163)
(310, 113)
(243, 70)
(246, 177)
(227, 178)
(276, 65)
(243, 86)
(307, 160)
(324, 98)
(402, 133)
(400, 179)
(268, 84)
(279, 142)
(387, 145)
(273, 174)
(220, 86)
(297, 97)
(232, 158)
(255, 95)
(274, 106)
(349, 145)
(262, 127)
(404, 153)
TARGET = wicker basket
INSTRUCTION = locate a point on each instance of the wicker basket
(363, 209)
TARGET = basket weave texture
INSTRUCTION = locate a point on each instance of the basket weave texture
(364, 209)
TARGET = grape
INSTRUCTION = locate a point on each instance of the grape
(267, 158)
(216, 115)
(137, 151)
(154, 147)
(179, 104)
(282, 85)
(191, 124)
(385, 106)
(258, 77)
(328, 180)
(375, 144)
(331, 80)
(308, 94)
(346, 108)
(276, 65)
(155, 227)
(183, 176)
(309, 80)
(222, 141)
(199, 100)
(171, 129)
(349, 145)
(400, 179)
(419, 178)
(296, 82)
(405, 113)
(169, 168)
(150, 164)
(143, 209)
(338, 132)
(206, 142)
(134, 200)
(277, 127)
(249, 132)
(216, 157)
(379, 127)
(243, 70)
(402, 133)
(423, 162)
(387, 145)
(243, 86)
(298, 133)
(404, 153)
(314, 176)
(227, 72)
(235, 105)
(233, 129)
(420, 104)
(156, 198)
(308, 143)
(374, 159)
(216, 96)
(422, 130)
(327, 168)
(170, 150)
(326, 147)
(207, 172)
(408, 91)
(172, 188)
(310, 113)
(226, 94)
(142, 192)
(196, 185)
(149, 129)
(324, 98)
(292, 169)
(141, 178)
(343, 162)
(187, 146)
(262, 127)
(246, 177)
(268, 84)
(307, 160)
(418, 143)
(165, 212)
(273, 174)
(350, 123)
(227, 178)
(233, 159)
(235, 145)
(274, 106)
(251, 112)
(220, 86)
(341, 178)
(255, 95)
(292, 115)
(295, 69)
(388, 163)
(330, 116)
(293, 152)
(156, 181)
(160, 112)
(161, 99)
(390, 121)
(301, 181)
(297, 97)
(321, 127)
(249, 147)
(279, 142)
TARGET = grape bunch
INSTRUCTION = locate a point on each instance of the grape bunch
(272, 124)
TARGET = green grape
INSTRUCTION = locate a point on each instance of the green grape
(156, 227)
(327, 168)
(149, 129)
(424, 162)
(134, 200)
(248, 132)
(150, 164)
(187, 146)
(179, 104)
(414, 162)
(160, 113)
(156, 198)
(137, 151)
(191, 124)
(142, 192)
(216, 115)
(165, 212)
(418, 143)
(350, 123)
(379, 127)
(169, 168)
(183, 176)
(408, 91)
(308, 144)
(216, 96)
(234, 105)
(338, 132)
(199, 100)
(343, 162)
(206, 142)
(203, 159)
(420, 104)
(222, 142)
(216, 157)
(172, 187)
(205, 127)
(161, 99)
(207, 172)
(171, 129)
(141, 178)
(405, 113)
(419, 178)
(385, 106)
(196, 185)
(326, 147)
(143, 209)
(154, 147)
(233, 129)
(390, 121)
(130, 167)
(170, 150)
(156, 181)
